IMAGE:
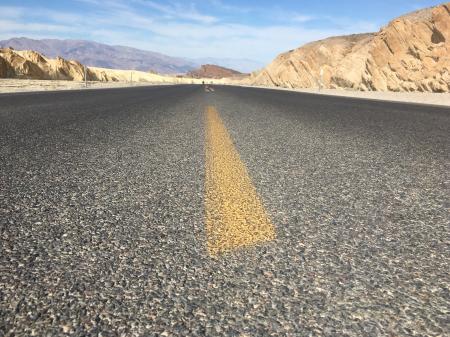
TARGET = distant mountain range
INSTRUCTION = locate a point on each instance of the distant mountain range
(121, 57)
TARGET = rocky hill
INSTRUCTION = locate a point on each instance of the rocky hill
(412, 53)
(245, 66)
(213, 71)
(32, 65)
(29, 64)
(96, 54)
(101, 55)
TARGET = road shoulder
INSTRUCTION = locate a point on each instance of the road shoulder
(438, 99)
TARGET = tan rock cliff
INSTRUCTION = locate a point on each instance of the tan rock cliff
(412, 53)
(32, 65)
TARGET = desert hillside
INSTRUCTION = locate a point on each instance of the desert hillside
(412, 53)
(101, 55)
(33, 65)
(213, 71)
(95, 54)
(27, 64)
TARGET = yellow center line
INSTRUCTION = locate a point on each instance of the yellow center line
(235, 215)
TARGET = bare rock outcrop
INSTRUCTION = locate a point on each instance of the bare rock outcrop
(412, 53)
(32, 65)
(26, 64)
(5, 68)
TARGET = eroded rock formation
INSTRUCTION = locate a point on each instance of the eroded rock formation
(412, 53)
(32, 65)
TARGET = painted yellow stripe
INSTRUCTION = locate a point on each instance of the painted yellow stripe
(235, 216)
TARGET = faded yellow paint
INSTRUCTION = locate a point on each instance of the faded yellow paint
(235, 215)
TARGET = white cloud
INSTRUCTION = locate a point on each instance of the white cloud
(22, 28)
(302, 18)
(230, 8)
(179, 11)
(11, 12)
(174, 29)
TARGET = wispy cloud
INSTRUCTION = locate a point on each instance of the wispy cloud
(230, 8)
(11, 12)
(302, 18)
(176, 28)
(179, 11)
(8, 26)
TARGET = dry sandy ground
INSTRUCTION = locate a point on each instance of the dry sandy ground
(13, 85)
(411, 97)
(19, 85)
(142, 76)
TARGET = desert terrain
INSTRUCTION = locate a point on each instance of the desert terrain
(32, 71)
(407, 60)
(410, 54)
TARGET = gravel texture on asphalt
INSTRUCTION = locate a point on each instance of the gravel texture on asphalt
(102, 220)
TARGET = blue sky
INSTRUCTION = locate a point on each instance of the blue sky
(257, 30)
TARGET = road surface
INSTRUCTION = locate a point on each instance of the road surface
(171, 211)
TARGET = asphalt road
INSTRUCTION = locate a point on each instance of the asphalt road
(102, 215)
